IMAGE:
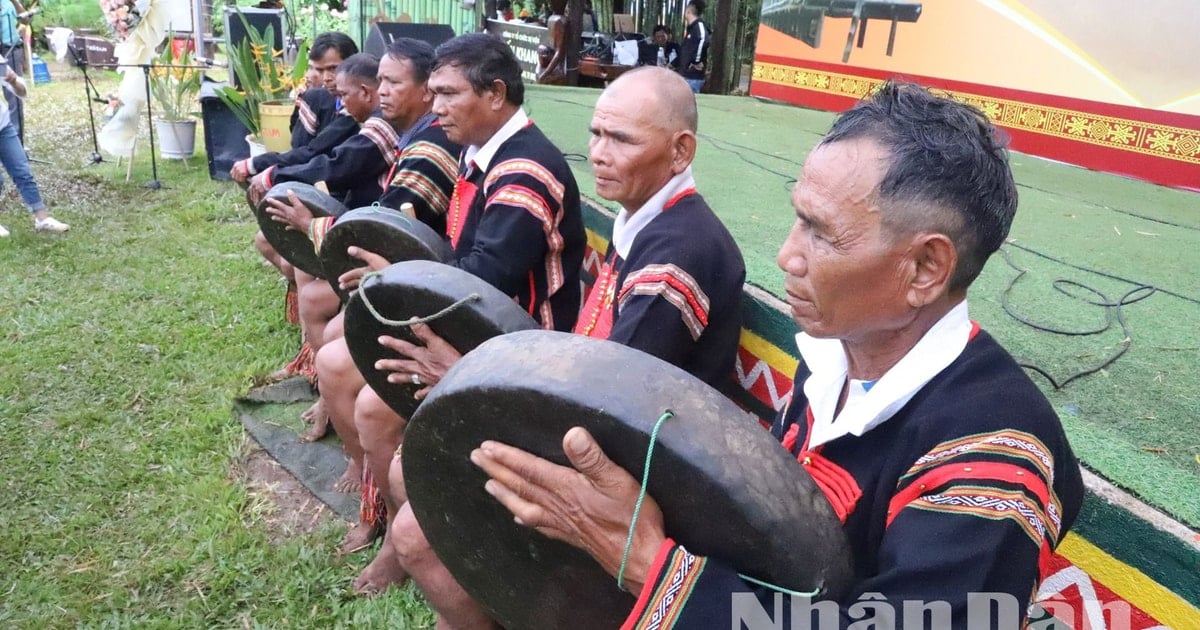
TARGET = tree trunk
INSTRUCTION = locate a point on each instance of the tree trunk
(574, 39)
(718, 53)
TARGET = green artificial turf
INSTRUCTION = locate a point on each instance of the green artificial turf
(1136, 421)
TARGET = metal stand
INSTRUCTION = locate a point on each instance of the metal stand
(89, 89)
(153, 184)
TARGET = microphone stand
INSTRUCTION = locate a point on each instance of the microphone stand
(153, 184)
(89, 89)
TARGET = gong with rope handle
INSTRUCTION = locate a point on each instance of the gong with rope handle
(726, 487)
(460, 307)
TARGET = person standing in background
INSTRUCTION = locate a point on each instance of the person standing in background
(693, 57)
(11, 43)
(16, 163)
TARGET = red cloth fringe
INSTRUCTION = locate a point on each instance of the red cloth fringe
(305, 363)
(291, 303)
(371, 508)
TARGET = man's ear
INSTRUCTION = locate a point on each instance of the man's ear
(934, 260)
(499, 94)
(683, 151)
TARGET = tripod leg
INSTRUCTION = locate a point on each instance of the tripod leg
(88, 89)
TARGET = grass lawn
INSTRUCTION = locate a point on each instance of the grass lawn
(122, 345)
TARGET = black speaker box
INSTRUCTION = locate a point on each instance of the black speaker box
(259, 19)
(384, 33)
(224, 134)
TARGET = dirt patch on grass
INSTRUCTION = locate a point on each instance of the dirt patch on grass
(278, 499)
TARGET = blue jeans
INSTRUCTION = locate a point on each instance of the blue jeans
(16, 163)
(696, 85)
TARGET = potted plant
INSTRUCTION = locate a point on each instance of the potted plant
(262, 80)
(174, 84)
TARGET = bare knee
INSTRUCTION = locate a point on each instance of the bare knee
(336, 328)
(372, 409)
(409, 541)
(318, 295)
(334, 363)
(264, 247)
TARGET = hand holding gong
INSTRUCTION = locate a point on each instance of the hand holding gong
(425, 365)
(292, 213)
(350, 280)
(589, 506)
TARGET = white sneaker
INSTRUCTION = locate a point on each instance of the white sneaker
(3, 231)
(50, 224)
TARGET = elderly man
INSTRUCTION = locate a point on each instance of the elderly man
(953, 473)
(514, 220)
(671, 284)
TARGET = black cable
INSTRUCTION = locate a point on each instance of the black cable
(1112, 311)
(575, 157)
(1101, 273)
(1117, 210)
(720, 145)
(788, 180)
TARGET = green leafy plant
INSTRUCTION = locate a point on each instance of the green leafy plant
(174, 83)
(261, 75)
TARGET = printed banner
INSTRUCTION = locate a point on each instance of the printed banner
(1104, 84)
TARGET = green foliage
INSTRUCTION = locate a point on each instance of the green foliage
(314, 17)
(73, 14)
(173, 84)
(261, 74)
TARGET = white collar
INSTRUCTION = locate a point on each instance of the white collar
(482, 156)
(826, 359)
(629, 224)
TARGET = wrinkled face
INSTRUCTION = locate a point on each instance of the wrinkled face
(326, 69)
(631, 153)
(358, 98)
(845, 276)
(465, 116)
(402, 99)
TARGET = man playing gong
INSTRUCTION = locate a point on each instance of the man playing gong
(948, 469)
(514, 221)
(422, 176)
(670, 286)
(319, 125)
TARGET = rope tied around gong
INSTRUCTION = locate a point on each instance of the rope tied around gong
(412, 321)
(637, 510)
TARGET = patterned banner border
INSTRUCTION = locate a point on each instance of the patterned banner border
(1160, 141)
